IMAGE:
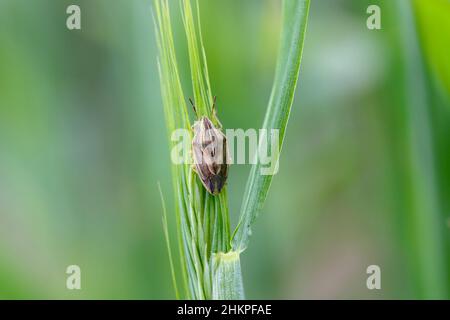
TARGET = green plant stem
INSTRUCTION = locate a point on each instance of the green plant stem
(227, 277)
(295, 16)
(425, 231)
(210, 268)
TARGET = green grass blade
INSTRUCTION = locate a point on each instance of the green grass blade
(169, 248)
(424, 222)
(227, 277)
(202, 219)
(175, 112)
(199, 75)
(295, 15)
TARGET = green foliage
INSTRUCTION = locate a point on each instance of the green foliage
(202, 219)
(277, 114)
(425, 230)
(211, 269)
(434, 22)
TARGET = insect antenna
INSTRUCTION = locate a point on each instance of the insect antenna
(193, 106)
(214, 112)
(214, 105)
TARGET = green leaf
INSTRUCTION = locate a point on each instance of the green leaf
(434, 27)
(202, 219)
(227, 277)
(167, 238)
(295, 15)
(424, 224)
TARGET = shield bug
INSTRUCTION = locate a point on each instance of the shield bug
(210, 152)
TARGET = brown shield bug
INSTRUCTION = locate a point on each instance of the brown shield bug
(210, 153)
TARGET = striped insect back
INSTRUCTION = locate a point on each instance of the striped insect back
(210, 155)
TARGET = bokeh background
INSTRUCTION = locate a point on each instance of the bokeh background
(364, 175)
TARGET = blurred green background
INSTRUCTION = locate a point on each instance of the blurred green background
(364, 175)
